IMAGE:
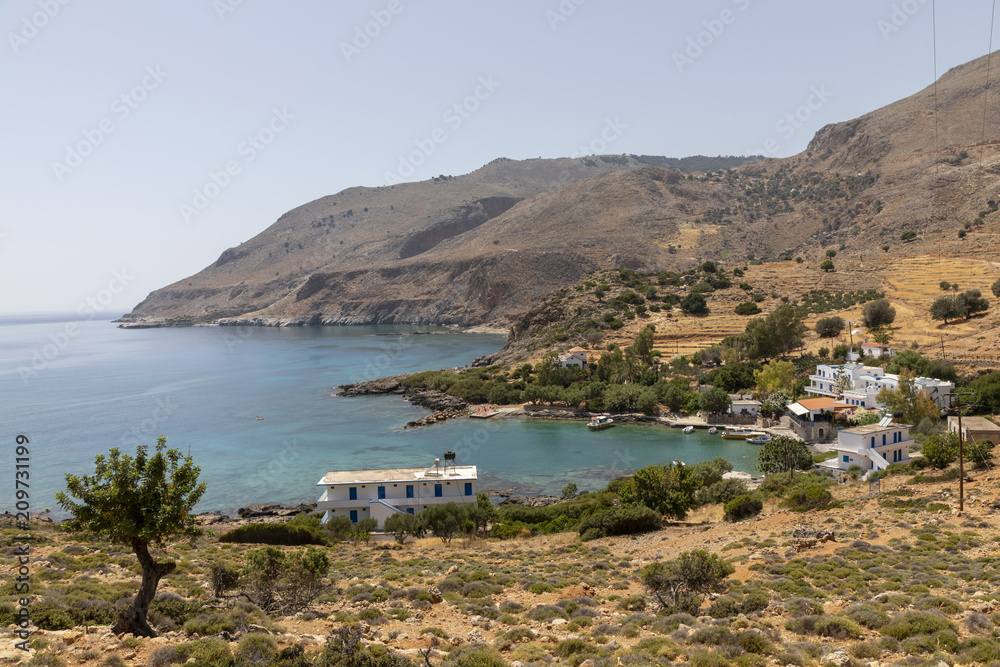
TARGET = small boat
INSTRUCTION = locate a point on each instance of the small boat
(761, 439)
(688, 429)
(740, 433)
(712, 430)
(599, 422)
(260, 418)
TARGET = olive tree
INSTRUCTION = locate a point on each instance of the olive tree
(137, 502)
(678, 583)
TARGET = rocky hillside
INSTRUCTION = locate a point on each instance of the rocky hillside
(486, 246)
(905, 579)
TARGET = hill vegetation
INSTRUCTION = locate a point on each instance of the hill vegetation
(896, 576)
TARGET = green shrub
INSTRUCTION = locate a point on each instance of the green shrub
(834, 627)
(754, 642)
(475, 656)
(205, 651)
(256, 649)
(913, 623)
(624, 520)
(981, 650)
(808, 498)
(867, 616)
(747, 308)
(272, 533)
(742, 507)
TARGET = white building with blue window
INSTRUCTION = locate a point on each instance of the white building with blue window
(859, 385)
(872, 446)
(377, 494)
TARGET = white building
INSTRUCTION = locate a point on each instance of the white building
(744, 408)
(873, 446)
(377, 494)
(861, 384)
(870, 350)
(575, 358)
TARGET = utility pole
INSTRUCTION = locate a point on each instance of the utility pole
(961, 453)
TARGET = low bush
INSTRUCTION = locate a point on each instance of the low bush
(913, 623)
(272, 533)
(742, 507)
(625, 520)
(834, 627)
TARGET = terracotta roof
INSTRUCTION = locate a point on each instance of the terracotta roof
(823, 403)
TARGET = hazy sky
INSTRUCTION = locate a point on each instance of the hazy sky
(141, 139)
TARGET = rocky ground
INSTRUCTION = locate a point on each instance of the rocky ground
(553, 599)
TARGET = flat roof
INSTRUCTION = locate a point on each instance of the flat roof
(874, 428)
(397, 475)
(822, 403)
(975, 423)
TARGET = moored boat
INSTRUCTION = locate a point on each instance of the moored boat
(712, 430)
(688, 429)
(740, 433)
(761, 439)
(599, 422)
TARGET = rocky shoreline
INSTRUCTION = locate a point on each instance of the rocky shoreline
(442, 405)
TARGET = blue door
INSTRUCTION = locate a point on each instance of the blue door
(468, 488)
(438, 490)
(353, 493)
(354, 516)
(409, 510)
(381, 493)
(409, 490)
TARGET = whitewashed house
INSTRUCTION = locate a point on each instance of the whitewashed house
(744, 407)
(378, 494)
(872, 446)
(576, 357)
(870, 350)
(858, 385)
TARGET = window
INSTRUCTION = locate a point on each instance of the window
(352, 493)
(438, 490)
(409, 510)
(883, 439)
(381, 493)
(873, 441)
(409, 490)
(847, 459)
(468, 488)
(354, 516)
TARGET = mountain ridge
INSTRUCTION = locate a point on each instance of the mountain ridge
(482, 248)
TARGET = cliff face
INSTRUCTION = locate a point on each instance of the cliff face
(487, 246)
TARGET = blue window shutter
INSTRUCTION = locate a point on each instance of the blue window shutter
(438, 490)
(409, 510)
(468, 488)
(354, 516)
(847, 459)
(353, 493)
(409, 490)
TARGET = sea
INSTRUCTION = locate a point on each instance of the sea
(255, 408)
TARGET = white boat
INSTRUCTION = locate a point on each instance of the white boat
(599, 422)
(761, 439)
(712, 430)
(688, 429)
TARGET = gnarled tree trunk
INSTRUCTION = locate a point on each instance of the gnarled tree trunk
(133, 618)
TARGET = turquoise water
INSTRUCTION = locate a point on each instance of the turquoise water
(76, 389)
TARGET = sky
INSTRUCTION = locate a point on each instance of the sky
(141, 139)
